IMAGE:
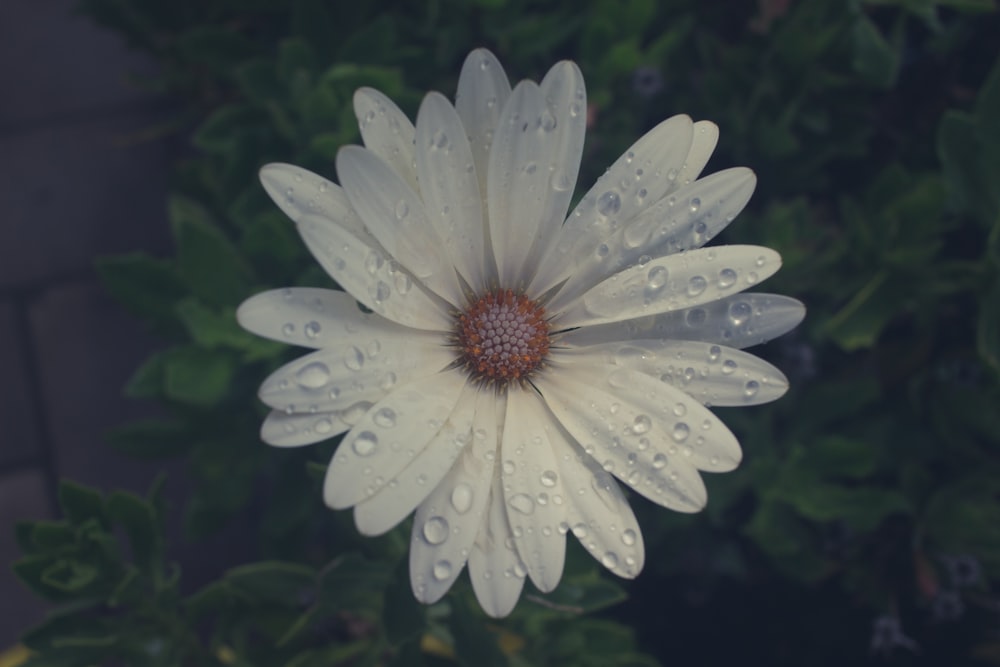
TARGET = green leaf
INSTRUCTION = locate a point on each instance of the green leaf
(208, 262)
(861, 508)
(988, 328)
(874, 59)
(352, 582)
(272, 582)
(145, 286)
(858, 324)
(475, 646)
(197, 377)
(583, 594)
(402, 616)
(838, 456)
(213, 328)
(151, 439)
(51, 535)
(959, 149)
(80, 503)
(139, 519)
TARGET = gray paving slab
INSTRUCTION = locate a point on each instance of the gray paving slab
(22, 497)
(78, 190)
(56, 63)
(87, 348)
(18, 432)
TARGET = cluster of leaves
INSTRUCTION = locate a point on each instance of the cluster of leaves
(874, 127)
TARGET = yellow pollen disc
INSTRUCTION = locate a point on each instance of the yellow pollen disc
(503, 336)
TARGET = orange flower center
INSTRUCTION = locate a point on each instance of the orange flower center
(502, 336)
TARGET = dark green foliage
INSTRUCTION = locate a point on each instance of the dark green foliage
(874, 129)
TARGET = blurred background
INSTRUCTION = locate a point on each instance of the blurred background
(864, 523)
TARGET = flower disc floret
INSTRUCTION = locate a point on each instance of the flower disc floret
(502, 336)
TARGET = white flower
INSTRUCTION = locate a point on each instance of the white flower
(513, 364)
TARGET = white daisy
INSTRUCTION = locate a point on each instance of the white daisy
(514, 364)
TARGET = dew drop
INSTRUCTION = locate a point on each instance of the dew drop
(681, 432)
(610, 560)
(461, 498)
(402, 210)
(609, 203)
(739, 312)
(354, 359)
(313, 376)
(288, 329)
(696, 317)
(580, 531)
(727, 278)
(628, 537)
(365, 443)
(439, 140)
(695, 204)
(441, 570)
(728, 367)
(659, 461)
(509, 467)
(385, 418)
(522, 503)
(714, 353)
(656, 278)
(312, 330)
(642, 424)
(696, 285)
(751, 388)
(435, 530)
(323, 426)
(549, 478)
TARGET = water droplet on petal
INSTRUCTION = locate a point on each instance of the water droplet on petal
(610, 560)
(642, 424)
(727, 278)
(323, 426)
(522, 502)
(548, 478)
(385, 417)
(312, 330)
(313, 376)
(441, 570)
(728, 367)
(288, 329)
(354, 359)
(681, 432)
(461, 498)
(740, 312)
(365, 443)
(695, 204)
(609, 203)
(696, 285)
(751, 388)
(659, 461)
(628, 537)
(439, 140)
(402, 210)
(435, 530)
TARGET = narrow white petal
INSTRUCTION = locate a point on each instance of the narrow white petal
(387, 132)
(448, 521)
(597, 512)
(531, 489)
(712, 374)
(281, 429)
(363, 367)
(672, 283)
(388, 437)
(482, 93)
(628, 429)
(312, 317)
(703, 142)
(739, 321)
(450, 188)
(394, 214)
(638, 179)
(679, 222)
(374, 279)
(402, 494)
(495, 569)
(300, 193)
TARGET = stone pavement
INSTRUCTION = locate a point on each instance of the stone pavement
(75, 183)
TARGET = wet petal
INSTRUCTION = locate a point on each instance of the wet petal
(739, 321)
(679, 222)
(301, 194)
(450, 189)
(636, 180)
(672, 283)
(531, 485)
(387, 132)
(483, 90)
(282, 429)
(395, 215)
(597, 512)
(704, 138)
(629, 434)
(712, 374)
(458, 503)
(402, 494)
(388, 437)
(495, 569)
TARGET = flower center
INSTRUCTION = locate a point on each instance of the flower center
(502, 336)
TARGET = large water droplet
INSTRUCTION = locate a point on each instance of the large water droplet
(549, 478)
(522, 503)
(461, 498)
(365, 443)
(288, 330)
(436, 530)
(441, 570)
(313, 376)
(610, 560)
(694, 205)
(655, 280)
(628, 537)
(385, 417)
(312, 330)
(659, 461)
(609, 203)
(354, 359)
(681, 432)
(642, 424)
(439, 139)
(740, 312)
(728, 367)
(727, 278)
(751, 388)
(696, 317)
(402, 210)
(714, 353)
(696, 285)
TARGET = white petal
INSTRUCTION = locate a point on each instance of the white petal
(395, 215)
(300, 193)
(483, 90)
(679, 222)
(450, 189)
(739, 321)
(362, 367)
(672, 283)
(636, 180)
(311, 317)
(388, 437)
(372, 278)
(281, 429)
(629, 434)
(703, 142)
(533, 164)
(387, 132)
(458, 503)
(561, 148)
(402, 494)
(531, 485)
(597, 512)
(495, 569)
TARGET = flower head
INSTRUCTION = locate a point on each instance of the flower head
(514, 361)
